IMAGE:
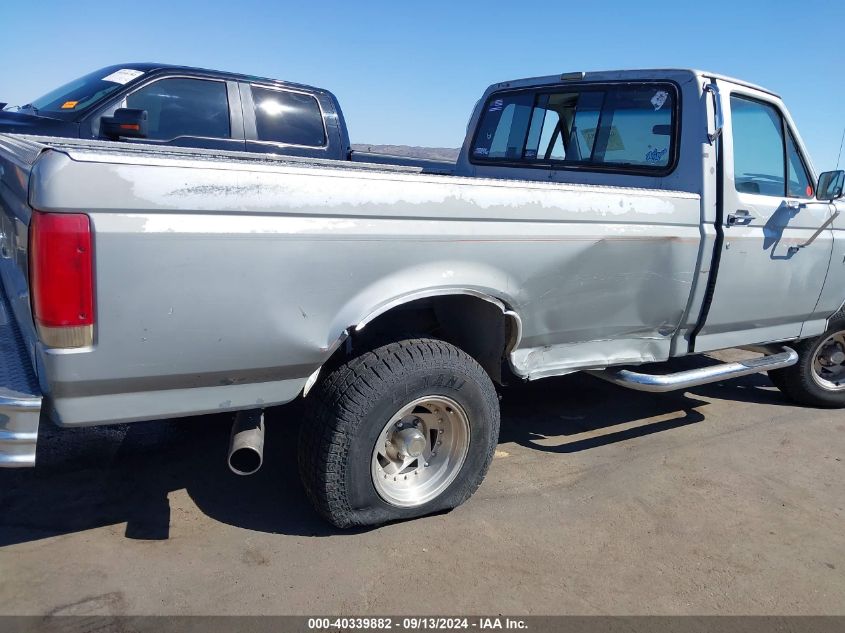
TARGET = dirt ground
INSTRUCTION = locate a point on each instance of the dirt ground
(725, 499)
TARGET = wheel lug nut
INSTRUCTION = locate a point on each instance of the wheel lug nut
(426, 464)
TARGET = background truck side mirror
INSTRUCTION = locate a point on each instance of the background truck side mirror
(126, 122)
(831, 185)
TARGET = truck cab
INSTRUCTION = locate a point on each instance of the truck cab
(188, 107)
(732, 143)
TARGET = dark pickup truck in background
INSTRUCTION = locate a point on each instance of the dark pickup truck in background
(191, 107)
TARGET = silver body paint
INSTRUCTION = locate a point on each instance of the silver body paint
(223, 281)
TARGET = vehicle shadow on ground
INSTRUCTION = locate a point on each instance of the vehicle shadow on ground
(110, 476)
(588, 409)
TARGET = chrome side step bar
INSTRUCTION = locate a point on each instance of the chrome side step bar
(693, 377)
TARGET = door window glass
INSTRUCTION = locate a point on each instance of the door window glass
(766, 162)
(183, 107)
(287, 117)
(758, 148)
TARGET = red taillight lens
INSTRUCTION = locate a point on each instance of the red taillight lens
(61, 278)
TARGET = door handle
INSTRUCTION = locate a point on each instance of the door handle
(740, 218)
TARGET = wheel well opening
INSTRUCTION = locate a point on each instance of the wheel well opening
(478, 327)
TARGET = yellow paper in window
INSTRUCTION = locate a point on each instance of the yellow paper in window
(69, 105)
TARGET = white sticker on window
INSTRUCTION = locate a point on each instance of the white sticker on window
(659, 99)
(123, 76)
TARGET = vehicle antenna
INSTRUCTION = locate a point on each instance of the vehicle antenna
(840, 148)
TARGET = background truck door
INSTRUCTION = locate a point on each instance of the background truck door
(765, 291)
(189, 112)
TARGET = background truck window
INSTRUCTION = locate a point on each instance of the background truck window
(287, 117)
(183, 107)
(625, 127)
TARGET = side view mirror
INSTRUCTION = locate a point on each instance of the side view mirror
(831, 185)
(126, 122)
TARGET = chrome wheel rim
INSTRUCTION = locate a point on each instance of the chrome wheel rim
(420, 451)
(829, 363)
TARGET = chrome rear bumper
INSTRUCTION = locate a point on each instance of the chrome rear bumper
(20, 397)
(19, 416)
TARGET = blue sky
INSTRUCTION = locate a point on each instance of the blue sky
(410, 73)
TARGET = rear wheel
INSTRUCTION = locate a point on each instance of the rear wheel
(818, 378)
(401, 431)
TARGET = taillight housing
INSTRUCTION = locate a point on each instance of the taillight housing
(61, 278)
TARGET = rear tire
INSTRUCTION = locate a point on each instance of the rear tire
(401, 431)
(818, 378)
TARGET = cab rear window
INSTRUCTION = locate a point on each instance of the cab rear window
(619, 128)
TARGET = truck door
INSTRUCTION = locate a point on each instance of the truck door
(766, 289)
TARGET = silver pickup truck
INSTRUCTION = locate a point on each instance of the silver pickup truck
(595, 222)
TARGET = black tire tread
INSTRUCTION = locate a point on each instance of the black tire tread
(338, 404)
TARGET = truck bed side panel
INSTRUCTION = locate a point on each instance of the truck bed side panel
(223, 286)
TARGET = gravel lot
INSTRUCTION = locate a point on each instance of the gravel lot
(721, 500)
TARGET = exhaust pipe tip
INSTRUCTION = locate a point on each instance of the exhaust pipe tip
(246, 446)
(245, 461)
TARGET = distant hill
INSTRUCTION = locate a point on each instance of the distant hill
(436, 153)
